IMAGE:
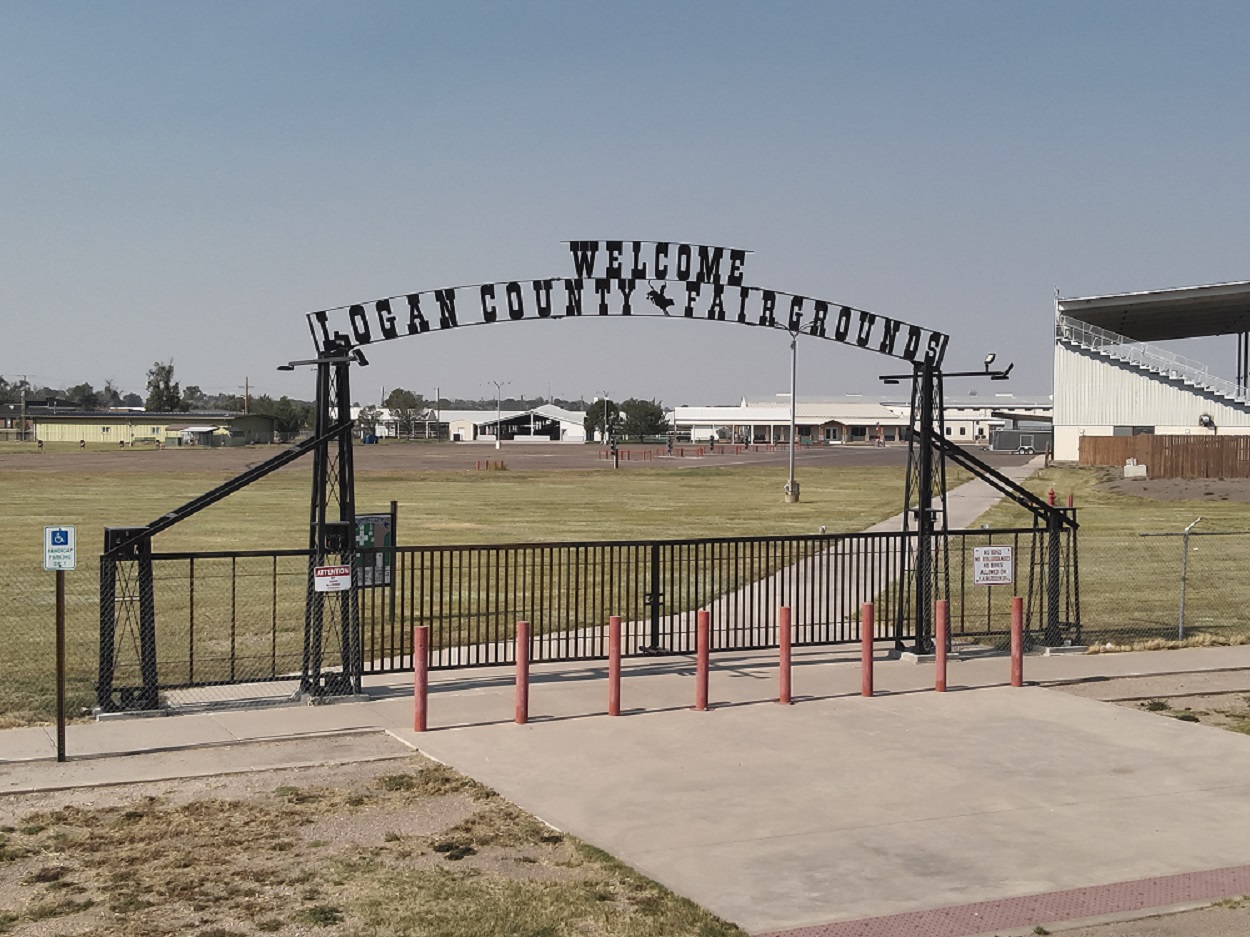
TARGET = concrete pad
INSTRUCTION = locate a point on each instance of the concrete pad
(844, 808)
(200, 762)
(119, 736)
(27, 743)
(273, 722)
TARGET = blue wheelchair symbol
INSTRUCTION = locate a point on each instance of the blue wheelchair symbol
(60, 538)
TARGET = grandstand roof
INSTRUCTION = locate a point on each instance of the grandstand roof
(1161, 315)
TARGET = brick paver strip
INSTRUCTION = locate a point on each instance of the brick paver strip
(988, 916)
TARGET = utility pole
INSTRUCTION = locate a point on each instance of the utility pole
(499, 385)
(792, 487)
(247, 395)
(21, 432)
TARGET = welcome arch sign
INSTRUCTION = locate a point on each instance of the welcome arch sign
(627, 278)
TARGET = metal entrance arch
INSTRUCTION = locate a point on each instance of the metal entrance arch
(637, 279)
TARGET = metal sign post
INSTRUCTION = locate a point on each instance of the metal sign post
(60, 552)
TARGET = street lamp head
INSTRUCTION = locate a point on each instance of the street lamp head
(989, 359)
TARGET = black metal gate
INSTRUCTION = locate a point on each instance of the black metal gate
(239, 617)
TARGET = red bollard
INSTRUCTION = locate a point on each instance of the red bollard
(866, 631)
(942, 626)
(522, 672)
(1017, 641)
(703, 639)
(1070, 499)
(1050, 497)
(420, 677)
(783, 634)
(614, 665)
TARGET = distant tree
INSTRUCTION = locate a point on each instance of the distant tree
(409, 409)
(84, 395)
(367, 420)
(110, 396)
(194, 399)
(232, 402)
(595, 416)
(643, 418)
(163, 393)
(132, 400)
(289, 416)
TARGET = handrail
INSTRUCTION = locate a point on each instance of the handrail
(1148, 357)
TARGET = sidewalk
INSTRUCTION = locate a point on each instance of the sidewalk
(912, 812)
(837, 808)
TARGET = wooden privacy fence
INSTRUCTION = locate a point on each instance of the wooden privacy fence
(1172, 456)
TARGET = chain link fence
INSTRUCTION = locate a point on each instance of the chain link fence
(1160, 588)
(28, 643)
(233, 625)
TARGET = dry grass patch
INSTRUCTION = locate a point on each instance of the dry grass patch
(244, 855)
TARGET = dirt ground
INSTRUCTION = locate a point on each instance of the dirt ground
(1183, 489)
(395, 846)
(456, 457)
(401, 845)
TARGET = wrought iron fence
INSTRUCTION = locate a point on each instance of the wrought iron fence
(229, 619)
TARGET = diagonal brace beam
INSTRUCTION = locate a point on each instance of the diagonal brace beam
(1017, 493)
(228, 488)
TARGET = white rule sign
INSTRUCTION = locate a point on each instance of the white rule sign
(992, 566)
(332, 578)
(60, 547)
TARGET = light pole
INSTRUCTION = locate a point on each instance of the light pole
(792, 487)
(499, 385)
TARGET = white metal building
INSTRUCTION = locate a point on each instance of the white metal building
(829, 420)
(972, 420)
(1110, 381)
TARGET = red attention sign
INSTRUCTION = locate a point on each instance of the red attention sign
(332, 578)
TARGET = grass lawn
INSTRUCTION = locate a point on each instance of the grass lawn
(398, 847)
(1130, 584)
(434, 508)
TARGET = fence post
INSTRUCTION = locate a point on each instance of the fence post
(614, 665)
(655, 598)
(784, 635)
(1053, 532)
(866, 633)
(420, 677)
(701, 660)
(941, 628)
(1180, 627)
(522, 672)
(1017, 641)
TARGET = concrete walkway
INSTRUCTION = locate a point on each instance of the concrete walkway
(839, 814)
(837, 808)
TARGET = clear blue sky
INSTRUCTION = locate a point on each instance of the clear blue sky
(187, 180)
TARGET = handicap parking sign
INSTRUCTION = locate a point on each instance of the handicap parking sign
(60, 548)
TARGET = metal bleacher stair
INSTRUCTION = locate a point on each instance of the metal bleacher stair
(1148, 358)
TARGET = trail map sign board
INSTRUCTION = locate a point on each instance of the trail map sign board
(629, 278)
(374, 531)
(992, 566)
